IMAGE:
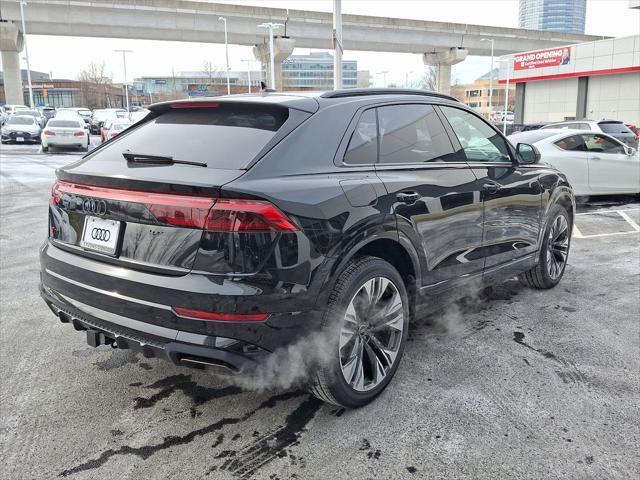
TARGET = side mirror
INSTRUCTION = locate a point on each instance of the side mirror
(527, 154)
(630, 151)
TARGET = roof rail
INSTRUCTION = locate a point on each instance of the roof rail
(361, 92)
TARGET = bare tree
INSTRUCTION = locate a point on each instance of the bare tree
(94, 85)
(428, 79)
(210, 70)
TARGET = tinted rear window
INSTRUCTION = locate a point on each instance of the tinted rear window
(614, 127)
(21, 121)
(228, 136)
(63, 124)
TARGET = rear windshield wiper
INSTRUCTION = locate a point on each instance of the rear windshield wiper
(146, 159)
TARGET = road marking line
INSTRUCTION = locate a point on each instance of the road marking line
(577, 233)
(629, 220)
(606, 211)
(609, 234)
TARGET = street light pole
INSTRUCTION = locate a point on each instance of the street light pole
(337, 44)
(272, 66)
(506, 97)
(384, 78)
(26, 53)
(248, 72)
(490, 76)
(226, 52)
(126, 87)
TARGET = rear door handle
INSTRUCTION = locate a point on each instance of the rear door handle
(491, 187)
(408, 197)
(595, 158)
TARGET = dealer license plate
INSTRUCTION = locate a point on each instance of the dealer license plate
(100, 235)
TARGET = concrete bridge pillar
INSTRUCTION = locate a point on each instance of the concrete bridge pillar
(282, 48)
(443, 61)
(11, 42)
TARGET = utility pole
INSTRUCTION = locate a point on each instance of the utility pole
(226, 52)
(490, 77)
(337, 44)
(126, 87)
(248, 72)
(272, 66)
(26, 53)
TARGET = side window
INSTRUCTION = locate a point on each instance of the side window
(602, 144)
(573, 143)
(479, 141)
(363, 146)
(412, 134)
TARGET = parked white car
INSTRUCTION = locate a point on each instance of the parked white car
(138, 115)
(69, 132)
(594, 163)
(10, 109)
(21, 129)
(116, 127)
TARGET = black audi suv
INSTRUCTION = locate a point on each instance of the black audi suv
(217, 232)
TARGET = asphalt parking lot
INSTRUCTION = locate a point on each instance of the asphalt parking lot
(510, 383)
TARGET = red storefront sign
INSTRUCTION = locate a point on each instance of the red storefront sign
(542, 58)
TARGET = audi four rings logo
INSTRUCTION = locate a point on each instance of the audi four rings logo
(92, 205)
(100, 234)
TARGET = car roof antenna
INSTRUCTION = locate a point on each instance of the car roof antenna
(265, 88)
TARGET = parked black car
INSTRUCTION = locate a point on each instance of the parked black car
(215, 232)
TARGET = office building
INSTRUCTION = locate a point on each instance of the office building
(565, 16)
(315, 72)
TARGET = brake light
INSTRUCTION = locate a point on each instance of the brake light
(220, 317)
(195, 105)
(79, 134)
(247, 216)
(49, 133)
(56, 194)
(173, 209)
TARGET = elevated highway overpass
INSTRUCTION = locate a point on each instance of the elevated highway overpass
(196, 21)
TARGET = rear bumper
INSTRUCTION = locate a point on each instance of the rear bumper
(26, 137)
(181, 348)
(65, 141)
(133, 309)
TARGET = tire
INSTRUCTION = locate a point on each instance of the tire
(45, 149)
(551, 262)
(350, 294)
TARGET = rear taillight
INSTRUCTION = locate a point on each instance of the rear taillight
(49, 133)
(253, 216)
(173, 209)
(220, 317)
(79, 134)
(188, 211)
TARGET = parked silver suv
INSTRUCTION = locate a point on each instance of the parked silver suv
(615, 128)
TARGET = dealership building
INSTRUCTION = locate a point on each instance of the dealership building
(593, 80)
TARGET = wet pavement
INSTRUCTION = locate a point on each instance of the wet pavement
(511, 382)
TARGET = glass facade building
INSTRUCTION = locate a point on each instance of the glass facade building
(315, 72)
(565, 16)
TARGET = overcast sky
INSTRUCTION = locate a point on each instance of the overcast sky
(65, 56)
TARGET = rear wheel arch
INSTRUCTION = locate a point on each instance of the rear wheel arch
(565, 201)
(391, 249)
